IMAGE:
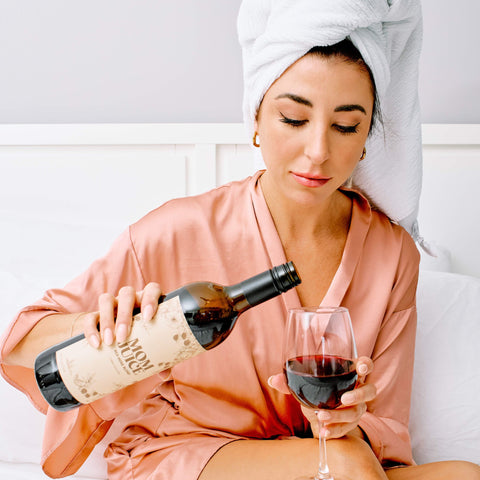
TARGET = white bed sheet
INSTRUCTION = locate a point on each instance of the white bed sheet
(26, 471)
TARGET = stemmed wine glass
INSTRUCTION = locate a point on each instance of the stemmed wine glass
(320, 363)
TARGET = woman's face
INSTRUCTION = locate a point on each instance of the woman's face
(312, 126)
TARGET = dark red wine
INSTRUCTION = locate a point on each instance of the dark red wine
(319, 381)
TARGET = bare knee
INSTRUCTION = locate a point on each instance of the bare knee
(446, 470)
(465, 470)
(458, 469)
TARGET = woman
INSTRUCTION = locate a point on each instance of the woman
(225, 414)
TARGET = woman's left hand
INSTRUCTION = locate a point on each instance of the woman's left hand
(344, 419)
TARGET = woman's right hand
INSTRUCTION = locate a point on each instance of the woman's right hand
(114, 314)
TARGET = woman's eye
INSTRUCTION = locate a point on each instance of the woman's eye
(292, 122)
(346, 128)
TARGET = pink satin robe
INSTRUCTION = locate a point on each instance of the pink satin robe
(225, 236)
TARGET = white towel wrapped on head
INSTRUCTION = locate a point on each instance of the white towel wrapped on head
(388, 33)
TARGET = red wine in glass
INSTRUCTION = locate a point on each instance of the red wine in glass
(319, 381)
(319, 363)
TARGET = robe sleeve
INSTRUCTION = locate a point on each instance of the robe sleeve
(69, 437)
(386, 421)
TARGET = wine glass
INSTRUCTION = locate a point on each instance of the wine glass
(320, 363)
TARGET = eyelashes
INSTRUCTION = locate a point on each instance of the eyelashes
(291, 121)
(345, 129)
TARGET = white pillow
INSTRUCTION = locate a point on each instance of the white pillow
(445, 418)
(440, 261)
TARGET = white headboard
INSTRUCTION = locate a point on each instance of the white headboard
(68, 190)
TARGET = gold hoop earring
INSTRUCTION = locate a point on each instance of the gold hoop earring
(255, 144)
(363, 153)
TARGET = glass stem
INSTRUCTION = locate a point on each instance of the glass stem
(323, 471)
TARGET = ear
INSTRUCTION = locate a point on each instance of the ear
(257, 118)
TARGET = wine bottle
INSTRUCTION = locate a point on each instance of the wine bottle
(188, 321)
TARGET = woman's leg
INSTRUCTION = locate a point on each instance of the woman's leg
(349, 458)
(437, 471)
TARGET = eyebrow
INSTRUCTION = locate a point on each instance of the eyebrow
(350, 108)
(295, 98)
(303, 101)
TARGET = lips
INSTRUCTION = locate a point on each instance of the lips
(311, 181)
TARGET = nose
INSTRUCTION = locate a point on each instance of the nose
(317, 146)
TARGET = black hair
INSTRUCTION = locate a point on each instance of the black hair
(347, 50)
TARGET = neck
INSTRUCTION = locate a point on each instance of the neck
(298, 221)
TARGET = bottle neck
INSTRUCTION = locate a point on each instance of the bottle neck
(260, 288)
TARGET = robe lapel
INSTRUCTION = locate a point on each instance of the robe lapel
(270, 238)
(359, 225)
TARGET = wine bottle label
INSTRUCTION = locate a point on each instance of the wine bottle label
(152, 347)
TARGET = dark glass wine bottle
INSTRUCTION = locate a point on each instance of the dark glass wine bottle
(192, 319)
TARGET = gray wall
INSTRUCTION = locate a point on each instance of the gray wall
(94, 61)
